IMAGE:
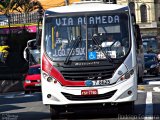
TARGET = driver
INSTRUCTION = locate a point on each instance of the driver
(111, 42)
(114, 46)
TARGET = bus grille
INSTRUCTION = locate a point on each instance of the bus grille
(89, 97)
(82, 73)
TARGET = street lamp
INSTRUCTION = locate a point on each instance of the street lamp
(40, 18)
(66, 2)
(9, 25)
(40, 14)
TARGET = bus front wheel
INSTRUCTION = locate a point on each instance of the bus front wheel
(140, 80)
(55, 111)
(126, 108)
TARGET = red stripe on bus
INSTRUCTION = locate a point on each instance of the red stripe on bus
(53, 72)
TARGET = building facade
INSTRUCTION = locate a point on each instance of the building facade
(147, 14)
(157, 15)
(55, 3)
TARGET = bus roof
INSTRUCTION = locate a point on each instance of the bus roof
(87, 7)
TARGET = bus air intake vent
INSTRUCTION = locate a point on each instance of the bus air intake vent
(89, 97)
(89, 72)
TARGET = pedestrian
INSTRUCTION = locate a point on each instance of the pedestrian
(150, 49)
(4, 51)
(113, 42)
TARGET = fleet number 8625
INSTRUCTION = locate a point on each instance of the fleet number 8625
(101, 82)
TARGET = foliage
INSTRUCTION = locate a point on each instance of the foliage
(21, 6)
(25, 6)
(6, 6)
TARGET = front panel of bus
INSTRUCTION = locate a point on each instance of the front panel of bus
(88, 58)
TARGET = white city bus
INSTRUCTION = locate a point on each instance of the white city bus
(80, 66)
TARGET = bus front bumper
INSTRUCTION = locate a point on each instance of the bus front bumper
(125, 91)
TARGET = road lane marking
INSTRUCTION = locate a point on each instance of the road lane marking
(141, 87)
(154, 82)
(149, 107)
(156, 89)
(153, 78)
(141, 91)
(10, 96)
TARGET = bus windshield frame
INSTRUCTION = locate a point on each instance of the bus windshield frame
(104, 25)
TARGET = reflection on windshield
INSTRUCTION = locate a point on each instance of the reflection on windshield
(35, 55)
(149, 58)
(75, 43)
(150, 45)
(111, 30)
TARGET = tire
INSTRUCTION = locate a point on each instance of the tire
(140, 80)
(27, 92)
(126, 108)
(55, 111)
(157, 73)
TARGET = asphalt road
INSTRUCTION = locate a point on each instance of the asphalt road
(19, 106)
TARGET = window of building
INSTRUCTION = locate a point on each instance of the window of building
(143, 10)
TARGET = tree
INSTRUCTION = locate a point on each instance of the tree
(21, 6)
(25, 6)
(5, 8)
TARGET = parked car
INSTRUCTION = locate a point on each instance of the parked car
(151, 64)
(151, 44)
(32, 80)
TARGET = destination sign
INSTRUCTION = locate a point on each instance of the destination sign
(101, 19)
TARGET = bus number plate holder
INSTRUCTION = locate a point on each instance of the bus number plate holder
(89, 92)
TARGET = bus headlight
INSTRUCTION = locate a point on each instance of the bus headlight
(127, 75)
(27, 81)
(49, 78)
(38, 80)
(45, 75)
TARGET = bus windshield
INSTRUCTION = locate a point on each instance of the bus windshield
(96, 34)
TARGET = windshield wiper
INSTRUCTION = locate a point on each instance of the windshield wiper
(75, 43)
(94, 38)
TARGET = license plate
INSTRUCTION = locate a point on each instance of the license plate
(101, 82)
(37, 84)
(89, 92)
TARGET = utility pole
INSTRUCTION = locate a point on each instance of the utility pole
(66, 2)
(40, 18)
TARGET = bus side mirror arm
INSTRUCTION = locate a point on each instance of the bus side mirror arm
(38, 38)
(138, 36)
